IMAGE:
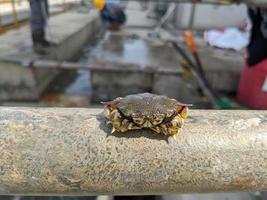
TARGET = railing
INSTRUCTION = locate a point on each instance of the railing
(68, 151)
(13, 5)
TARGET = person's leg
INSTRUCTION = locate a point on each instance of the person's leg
(45, 14)
(36, 16)
(38, 24)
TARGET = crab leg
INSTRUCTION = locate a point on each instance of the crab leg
(171, 128)
(116, 120)
(177, 121)
(175, 125)
(132, 126)
(119, 123)
(107, 111)
(157, 129)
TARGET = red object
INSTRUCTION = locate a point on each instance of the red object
(250, 90)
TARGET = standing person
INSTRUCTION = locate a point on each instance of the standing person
(252, 89)
(39, 16)
(257, 48)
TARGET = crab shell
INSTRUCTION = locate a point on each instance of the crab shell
(158, 113)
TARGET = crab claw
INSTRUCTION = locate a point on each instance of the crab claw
(108, 103)
(113, 102)
(113, 130)
(182, 110)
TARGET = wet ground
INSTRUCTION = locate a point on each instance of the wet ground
(73, 88)
(133, 49)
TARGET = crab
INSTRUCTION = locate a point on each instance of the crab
(146, 111)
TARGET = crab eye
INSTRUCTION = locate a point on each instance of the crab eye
(135, 115)
(158, 119)
(138, 120)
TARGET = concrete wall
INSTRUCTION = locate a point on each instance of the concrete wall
(23, 82)
(209, 16)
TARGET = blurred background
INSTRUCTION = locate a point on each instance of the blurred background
(71, 53)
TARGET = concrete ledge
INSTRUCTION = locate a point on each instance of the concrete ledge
(61, 151)
(71, 31)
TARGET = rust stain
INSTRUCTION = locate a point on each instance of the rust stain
(244, 182)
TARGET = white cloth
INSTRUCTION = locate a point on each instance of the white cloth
(229, 38)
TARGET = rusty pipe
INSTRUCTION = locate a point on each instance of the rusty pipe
(70, 151)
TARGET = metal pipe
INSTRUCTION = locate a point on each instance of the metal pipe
(192, 16)
(70, 151)
(166, 16)
(1, 27)
(103, 66)
(100, 66)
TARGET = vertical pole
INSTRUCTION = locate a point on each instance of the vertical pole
(14, 12)
(64, 5)
(1, 27)
(192, 16)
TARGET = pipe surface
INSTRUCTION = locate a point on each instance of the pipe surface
(70, 151)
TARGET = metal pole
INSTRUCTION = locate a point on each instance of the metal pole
(100, 66)
(67, 151)
(1, 27)
(64, 5)
(192, 16)
(14, 12)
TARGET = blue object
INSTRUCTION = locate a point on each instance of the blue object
(113, 12)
